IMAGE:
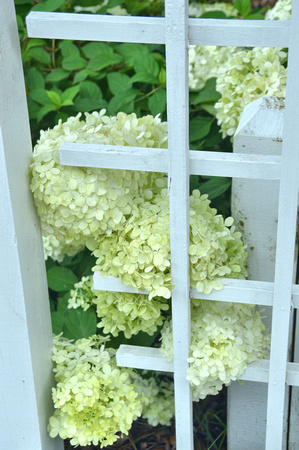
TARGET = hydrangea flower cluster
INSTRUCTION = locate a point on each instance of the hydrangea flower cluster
(158, 399)
(250, 75)
(58, 249)
(119, 311)
(225, 338)
(208, 61)
(94, 399)
(198, 9)
(139, 252)
(75, 203)
(282, 10)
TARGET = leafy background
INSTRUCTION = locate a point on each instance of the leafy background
(65, 77)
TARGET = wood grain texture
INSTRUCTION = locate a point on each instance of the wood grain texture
(25, 325)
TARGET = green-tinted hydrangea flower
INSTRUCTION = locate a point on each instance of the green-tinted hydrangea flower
(282, 10)
(120, 311)
(225, 338)
(158, 399)
(75, 203)
(250, 74)
(208, 61)
(94, 399)
(57, 249)
(139, 253)
(198, 9)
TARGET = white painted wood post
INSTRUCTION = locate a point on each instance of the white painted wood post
(25, 325)
(281, 294)
(255, 209)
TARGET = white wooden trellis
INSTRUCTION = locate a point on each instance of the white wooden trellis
(176, 31)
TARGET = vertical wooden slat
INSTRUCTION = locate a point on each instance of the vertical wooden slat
(255, 210)
(285, 250)
(25, 325)
(176, 13)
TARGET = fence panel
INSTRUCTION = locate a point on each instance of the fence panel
(173, 32)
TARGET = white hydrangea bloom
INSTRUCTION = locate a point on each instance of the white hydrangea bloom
(82, 295)
(94, 399)
(250, 74)
(282, 10)
(158, 399)
(225, 338)
(57, 249)
(74, 203)
(198, 9)
(119, 311)
(139, 252)
(209, 61)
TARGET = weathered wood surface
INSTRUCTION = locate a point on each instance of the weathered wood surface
(91, 27)
(25, 325)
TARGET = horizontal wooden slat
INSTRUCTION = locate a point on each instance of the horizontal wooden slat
(238, 291)
(152, 359)
(241, 33)
(93, 27)
(142, 358)
(223, 164)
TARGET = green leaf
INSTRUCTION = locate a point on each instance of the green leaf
(103, 60)
(34, 79)
(69, 49)
(55, 98)
(210, 108)
(128, 51)
(45, 110)
(35, 43)
(255, 16)
(40, 96)
(70, 93)
(49, 5)
(145, 62)
(81, 76)
(74, 63)
(90, 97)
(243, 6)
(79, 324)
(144, 77)
(57, 319)
(120, 100)
(57, 75)
(62, 304)
(61, 279)
(207, 94)
(87, 104)
(96, 48)
(199, 127)
(214, 15)
(215, 186)
(33, 108)
(40, 55)
(118, 82)
(89, 89)
(157, 102)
